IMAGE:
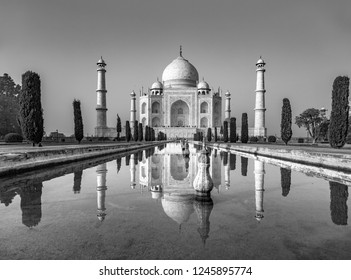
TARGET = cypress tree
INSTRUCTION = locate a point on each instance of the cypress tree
(119, 126)
(136, 128)
(31, 112)
(209, 134)
(215, 134)
(146, 133)
(128, 134)
(285, 125)
(140, 132)
(225, 131)
(244, 128)
(153, 138)
(339, 116)
(232, 130)
(78, 121)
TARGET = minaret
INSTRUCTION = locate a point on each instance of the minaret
(260, 129)
(259, 188)
(132, 111)
(101, 100)
(227, 106)
(101, 188)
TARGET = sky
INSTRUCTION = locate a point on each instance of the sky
(306, 44)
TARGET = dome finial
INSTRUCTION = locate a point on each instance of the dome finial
(181, 51)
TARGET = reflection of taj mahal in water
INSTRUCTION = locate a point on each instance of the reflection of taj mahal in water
(168, 174)
(169, 171)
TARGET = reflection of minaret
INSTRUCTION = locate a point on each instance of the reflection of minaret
(226, 171)
(203, 208)
(132, 171)
(31, 204)
(259, 172)
(101, 188)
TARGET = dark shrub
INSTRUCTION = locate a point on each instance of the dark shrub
(300, 140)
(253, 139)
(272, 139)
(348, 139)
(13, 137)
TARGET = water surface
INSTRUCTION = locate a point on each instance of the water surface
(143, 206)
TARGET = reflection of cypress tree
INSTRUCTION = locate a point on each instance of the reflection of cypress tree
(136, 158)
(225, 158)
(244, 162)
(215, 153)
(140, 156)
(152, 151)
(232, 160)
(6, 197)
(31, 204)
(221, 155)
(338, 203)
(119, 164)
(77, 181)
(160, 148)
(127, 160)
(285, 175)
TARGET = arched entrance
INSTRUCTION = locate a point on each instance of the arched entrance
(180, 116)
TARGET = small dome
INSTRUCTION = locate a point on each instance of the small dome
(227, 94)
(101, 61)
(180, 73)
(203, 85)
(157, 85)
(132, 94)
(260, 61)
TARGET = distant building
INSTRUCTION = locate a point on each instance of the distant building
(56, 135)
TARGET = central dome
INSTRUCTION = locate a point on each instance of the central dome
(180, 73)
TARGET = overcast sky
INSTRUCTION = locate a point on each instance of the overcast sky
(306, 44)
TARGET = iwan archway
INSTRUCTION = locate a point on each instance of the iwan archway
(180, 116)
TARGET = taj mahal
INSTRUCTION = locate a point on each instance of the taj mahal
(180, 105)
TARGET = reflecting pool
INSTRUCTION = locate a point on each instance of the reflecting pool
(143, 206)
